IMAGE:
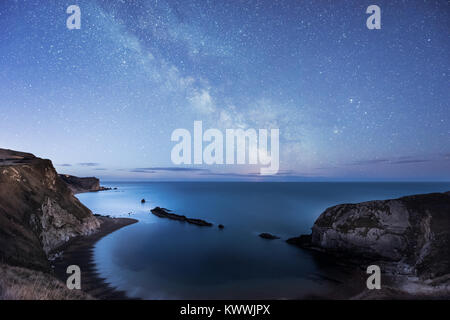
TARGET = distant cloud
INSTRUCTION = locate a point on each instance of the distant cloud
(142, 171)
(226, 174)
(368, 162)
(100, 169)
(281, 173)
(398, 160)
(409, 161)
(168, 169)
(88, 164)
(64, 165)
(327, 168)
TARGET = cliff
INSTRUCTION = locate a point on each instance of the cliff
(38, 211)
(409, 235)
(80, 185)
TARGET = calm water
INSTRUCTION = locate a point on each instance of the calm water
(165, 259)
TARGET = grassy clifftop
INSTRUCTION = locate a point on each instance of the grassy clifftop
(17, 283)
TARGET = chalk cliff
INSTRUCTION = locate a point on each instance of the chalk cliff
(410, 234)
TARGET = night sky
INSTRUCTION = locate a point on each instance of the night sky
(351, 103)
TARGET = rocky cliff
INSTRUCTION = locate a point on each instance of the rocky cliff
(80, 185)
(38, 212)
(411, 234)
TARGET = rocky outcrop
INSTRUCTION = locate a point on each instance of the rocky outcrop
(80, 185)
(38, 212)
(165, 213)
(410, 234)
(268, 236)
(303, 240)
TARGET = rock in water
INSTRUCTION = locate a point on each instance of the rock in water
(268, 236)
(38, 212)
(165, 213)
(413, 233)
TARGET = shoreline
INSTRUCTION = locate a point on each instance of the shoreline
(80, 251)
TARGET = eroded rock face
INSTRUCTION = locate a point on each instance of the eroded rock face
(413, 232)
(38, 212)
(58, 226)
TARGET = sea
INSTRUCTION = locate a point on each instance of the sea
(158, 258)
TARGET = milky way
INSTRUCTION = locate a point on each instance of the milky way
(351, 103)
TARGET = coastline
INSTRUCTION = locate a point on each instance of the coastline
(80, 251)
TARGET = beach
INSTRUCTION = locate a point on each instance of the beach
(79, 251)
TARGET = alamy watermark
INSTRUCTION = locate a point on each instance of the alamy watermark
(251, 146)
(374, 20)
(374, 280)
(74, 280)
(74, 20)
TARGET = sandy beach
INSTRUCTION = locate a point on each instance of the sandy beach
(79, 251)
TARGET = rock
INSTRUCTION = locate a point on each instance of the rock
(303, 240)
(143, 201)
(164, 213)
(38, 211)
(220, 226)
(268, 236)
(81, 185)
(410, 234)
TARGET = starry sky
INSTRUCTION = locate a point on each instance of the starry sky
(350, 103)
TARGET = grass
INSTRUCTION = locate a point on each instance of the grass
(18, 283)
